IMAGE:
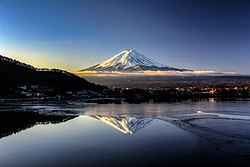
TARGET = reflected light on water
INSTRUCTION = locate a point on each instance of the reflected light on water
(126, 125)
(120, 125)
(212, 100)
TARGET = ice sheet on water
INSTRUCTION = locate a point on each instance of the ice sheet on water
(229, 116)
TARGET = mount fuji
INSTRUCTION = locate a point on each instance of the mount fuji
(130, 61)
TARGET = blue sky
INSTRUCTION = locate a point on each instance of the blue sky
(193, 34)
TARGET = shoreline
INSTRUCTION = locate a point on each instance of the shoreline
(111, 100)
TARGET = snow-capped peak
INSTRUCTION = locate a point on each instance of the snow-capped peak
(129, 60)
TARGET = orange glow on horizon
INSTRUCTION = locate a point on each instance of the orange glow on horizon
(157, 73)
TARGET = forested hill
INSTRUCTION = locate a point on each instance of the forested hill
(14, 74)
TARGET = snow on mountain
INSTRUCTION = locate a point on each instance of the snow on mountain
(129, 61)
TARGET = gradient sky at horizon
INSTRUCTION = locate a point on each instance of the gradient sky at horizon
(72, 35)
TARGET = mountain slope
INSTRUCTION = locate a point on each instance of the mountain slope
(130, 61)
(14, 73)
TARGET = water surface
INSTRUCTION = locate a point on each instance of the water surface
(73, 133)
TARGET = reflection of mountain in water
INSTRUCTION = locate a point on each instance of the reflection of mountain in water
(13, 122)
(127, 125)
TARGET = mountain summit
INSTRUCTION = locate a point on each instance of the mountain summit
(130, 61)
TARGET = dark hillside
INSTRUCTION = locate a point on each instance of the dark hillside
(14, 74)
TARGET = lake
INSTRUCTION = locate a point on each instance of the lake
(73, 133)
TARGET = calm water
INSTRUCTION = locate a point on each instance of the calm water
(208, 132)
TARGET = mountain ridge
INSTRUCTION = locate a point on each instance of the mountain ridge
(15, 74)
